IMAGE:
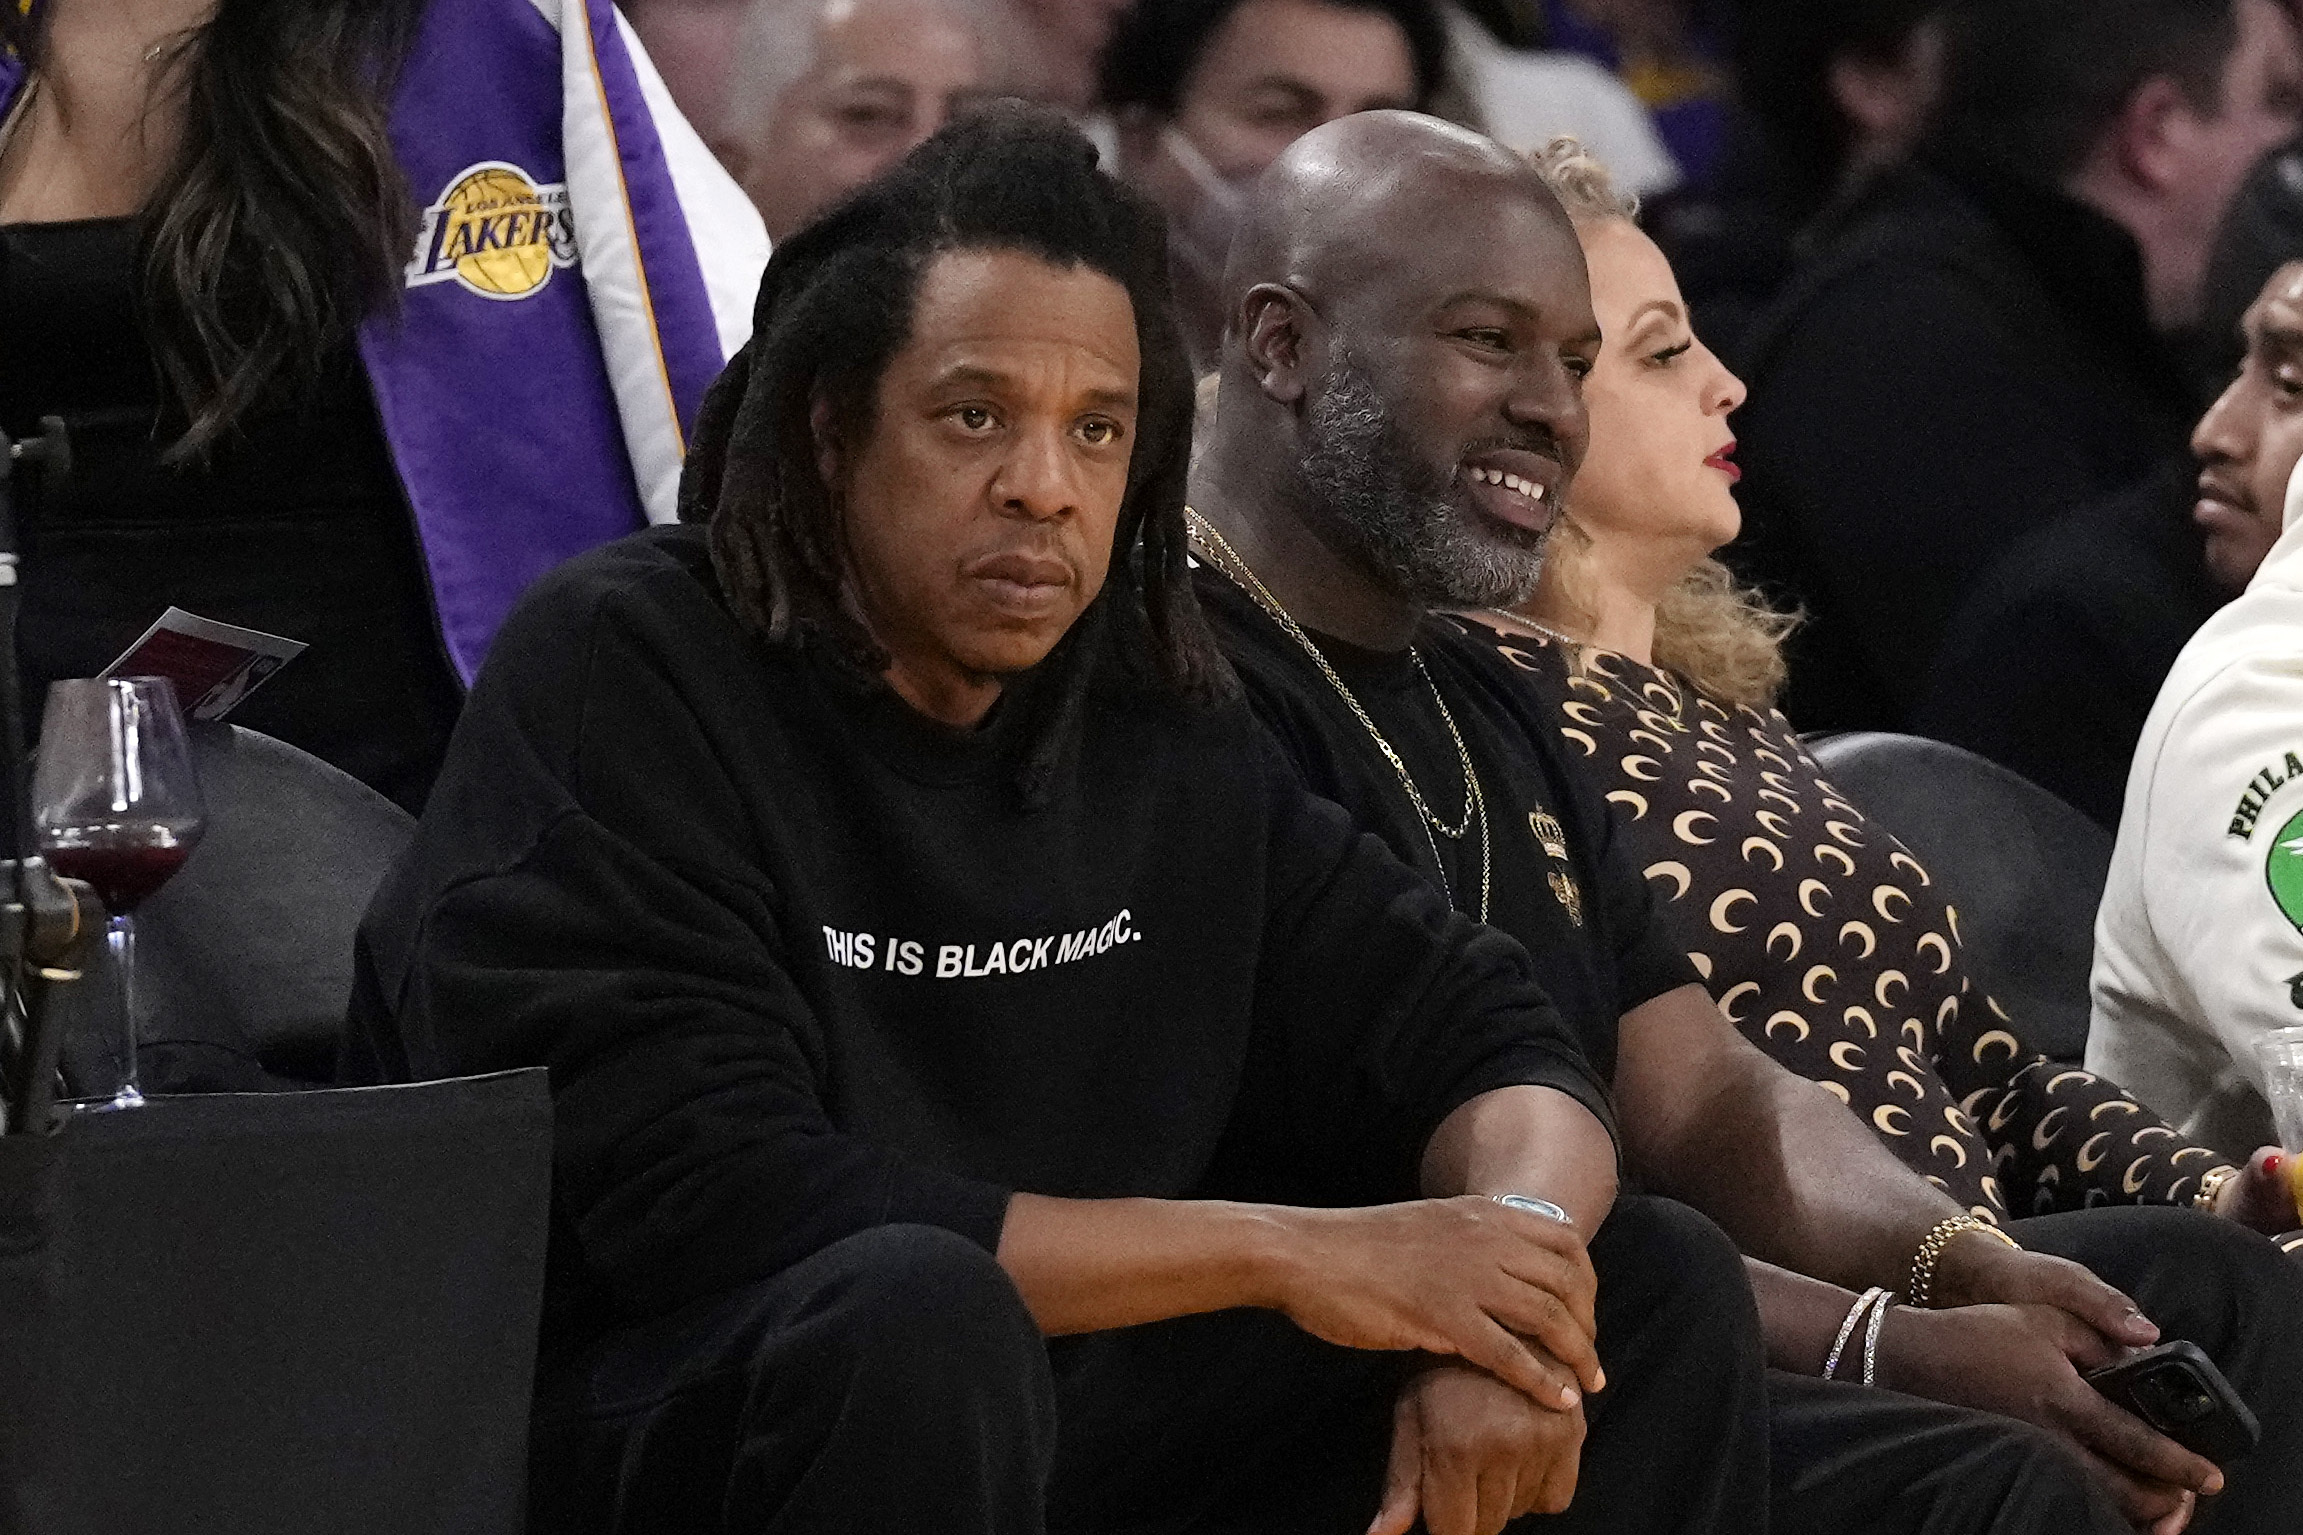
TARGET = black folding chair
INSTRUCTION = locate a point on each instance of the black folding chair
(2024, 870)
(275, 1313)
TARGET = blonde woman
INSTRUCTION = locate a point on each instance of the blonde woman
(1817, 932)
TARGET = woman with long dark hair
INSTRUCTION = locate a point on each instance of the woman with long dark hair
(351, 336)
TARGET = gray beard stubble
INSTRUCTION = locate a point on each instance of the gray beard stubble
(1410, 534)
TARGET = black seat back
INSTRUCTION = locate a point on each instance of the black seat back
(2024, 870)
(245, 957)
(275, 1313)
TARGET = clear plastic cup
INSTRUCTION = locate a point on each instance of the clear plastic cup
(2280, 1053)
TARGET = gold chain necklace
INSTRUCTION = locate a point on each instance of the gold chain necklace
(1227, 560)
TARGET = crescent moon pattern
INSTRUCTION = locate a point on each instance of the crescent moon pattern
(1840, 1053)
(1706, 786)
(1942, 948)
(1884, 1117)
(1632, 768)
(1583, 714)
(1861, 1016)
(2189, 1151)
(1765, 755)
(1677, 873)
(1951, 915)
(2129, 1182)
(1945, 1145)
(1716, 731)
(2116, 1106)
(1996, 1037)
(1759, 845)
(1843, 834)
(1839, 1091)
(1635, 802)
(1947, 1010)
(1727, 1002)
(1826, 853)
(1914, 1030)
(1790, 1018)
(1817, 887)
(1773, 822)
(1832, 801)
(1683, 827)
(1785, 800)
(1714, 746)
(1777, 781)
(1816, 978)
(1901, 860)
(1882, 896)
(1863, 931)
(1726, 903)
(1701, 962)
(1714, 772)
(1652, 739)
(1886, 979)
(1581, 738)
(1918, 1091)
(2043, 1134)
(2056, 1081)
(2091, 1155)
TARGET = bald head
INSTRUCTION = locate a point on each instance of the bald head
(1346, 201)
(1407, 303)
(823, 95)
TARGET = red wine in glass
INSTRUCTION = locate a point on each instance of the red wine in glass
(117, 803)
(125, 863)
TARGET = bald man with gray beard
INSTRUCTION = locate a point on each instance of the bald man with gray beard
(1408, 321)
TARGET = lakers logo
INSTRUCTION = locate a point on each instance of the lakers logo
(496, 232)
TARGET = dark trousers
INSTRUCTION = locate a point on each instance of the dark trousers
(895, 1382)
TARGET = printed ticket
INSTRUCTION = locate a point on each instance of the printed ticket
(214, 665)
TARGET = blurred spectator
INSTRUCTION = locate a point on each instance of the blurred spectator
(1526, 97)
(692, 43)
(1206, 93)
(2052, 666)
(826, 94)
(357, 322)
(1668, 53)
(2199, 942)
(1051, 47)
(1840, 88)
(2262, 232)
(1984, 337)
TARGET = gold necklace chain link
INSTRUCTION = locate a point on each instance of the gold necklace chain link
(1235, 569)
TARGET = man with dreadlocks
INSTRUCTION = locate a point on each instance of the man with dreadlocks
(933, 960)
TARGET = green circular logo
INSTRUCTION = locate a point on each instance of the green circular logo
(2283, 869)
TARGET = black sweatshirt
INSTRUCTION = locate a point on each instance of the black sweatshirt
(801, 962)
(1562, 881)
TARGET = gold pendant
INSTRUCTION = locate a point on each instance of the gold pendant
(1563, 886)
(1549, 833)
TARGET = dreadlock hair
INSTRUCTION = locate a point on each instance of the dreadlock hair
(835, 307)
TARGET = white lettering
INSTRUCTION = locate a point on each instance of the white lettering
(1073, 945)
(947, 961)
(863, 948)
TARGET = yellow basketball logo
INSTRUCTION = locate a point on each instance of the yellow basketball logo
(496, 232)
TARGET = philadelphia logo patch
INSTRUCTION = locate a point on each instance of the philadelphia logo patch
(495, 232)
(2283, 869)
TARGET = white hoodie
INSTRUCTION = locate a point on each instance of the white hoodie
(2199, 942)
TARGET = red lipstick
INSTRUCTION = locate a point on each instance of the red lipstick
(1724, 462)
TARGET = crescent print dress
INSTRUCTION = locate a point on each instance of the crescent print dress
(1825, 941)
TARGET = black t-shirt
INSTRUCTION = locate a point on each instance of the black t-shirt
(803, 962)
(1585, 915)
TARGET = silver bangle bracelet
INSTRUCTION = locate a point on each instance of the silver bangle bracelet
(1871, 1337)
(1847, 1328)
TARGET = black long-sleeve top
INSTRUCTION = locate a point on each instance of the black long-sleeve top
(802, 962)
(1831, 948)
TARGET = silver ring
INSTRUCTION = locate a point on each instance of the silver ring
(1534, 1206)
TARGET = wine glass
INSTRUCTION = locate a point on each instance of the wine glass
(117, 803)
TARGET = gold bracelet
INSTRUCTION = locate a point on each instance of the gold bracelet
(1940, 1236)
(2211, 1185)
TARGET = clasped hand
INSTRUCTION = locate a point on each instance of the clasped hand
(2018, 1330)
(1497, 1429)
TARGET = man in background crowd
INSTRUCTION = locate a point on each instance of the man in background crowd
(1984, 339)
(690, 42)
(2199, 943)
(823, 95)
(1206, 93)
(2052, 667)
(1049, 49)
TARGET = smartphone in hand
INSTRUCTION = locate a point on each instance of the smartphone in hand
(2177, 1390)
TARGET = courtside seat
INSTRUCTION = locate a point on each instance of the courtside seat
(2023, 869)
